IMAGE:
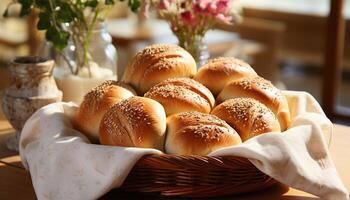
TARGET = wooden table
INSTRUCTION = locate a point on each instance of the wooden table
(15, 182)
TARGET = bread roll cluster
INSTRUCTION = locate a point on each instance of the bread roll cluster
(157, 63)
(181, 95)
(247, 116)
(136, 121)
(219, 71)
(198, 133)
(176, 111)
(95, 105)
(262, 90)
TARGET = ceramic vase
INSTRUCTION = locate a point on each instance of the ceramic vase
(32, 87)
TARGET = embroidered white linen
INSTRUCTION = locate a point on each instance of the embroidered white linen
(64, 165)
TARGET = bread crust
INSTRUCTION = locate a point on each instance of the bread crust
(247, 116)
(134, 122)
(262, 90)
(156, 63)
(181, 95)
(96, 103)
(219, 71)
(195, 133)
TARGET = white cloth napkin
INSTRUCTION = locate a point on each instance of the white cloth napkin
(64, 165)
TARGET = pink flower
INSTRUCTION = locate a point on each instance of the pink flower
(219, 6)
(173, 27)
(223, 19)
(222, 6)
(212, 8)
(164, 4)
(201, 6)
(188, 18)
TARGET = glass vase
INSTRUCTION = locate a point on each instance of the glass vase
(196, 47)
(101, 48)
(74, 77)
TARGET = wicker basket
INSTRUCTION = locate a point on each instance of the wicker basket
(195, 176)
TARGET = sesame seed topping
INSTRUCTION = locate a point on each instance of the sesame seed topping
(228, 62)
(203, 127)
(92, 100)
(154, 58)
(246, 114)
(176, 93)
(188, 84)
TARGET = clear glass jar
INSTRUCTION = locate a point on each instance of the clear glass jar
(101, 48)
(197, 48)
(102, 54)
(75, 80)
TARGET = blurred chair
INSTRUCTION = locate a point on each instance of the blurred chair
(269, 34)
(333, 62)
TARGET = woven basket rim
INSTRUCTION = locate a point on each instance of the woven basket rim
(195, 175)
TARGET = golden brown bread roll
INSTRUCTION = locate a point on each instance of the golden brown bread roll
(157, 63)
(181, 95)
(95, 105)
(134, 122)
(194, 133)
(247, 116)
(219, 71)
(262, 90)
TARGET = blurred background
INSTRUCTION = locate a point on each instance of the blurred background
(284, 40)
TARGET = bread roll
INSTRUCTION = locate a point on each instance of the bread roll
(219, 71)
(182, 94)
(262, 90)
(134, 122)
(157, 63)
(194, 133)
(95, 105)
(247, 116)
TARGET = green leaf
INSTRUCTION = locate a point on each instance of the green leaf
(26, 7)
(27, 3)
(44, 21)
(134, 4)
(91, 3)
(65, 13)
(44, 4)
(109, 2)
(59, 38)
(24, 11)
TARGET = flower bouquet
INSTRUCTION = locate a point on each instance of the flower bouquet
(191, 19)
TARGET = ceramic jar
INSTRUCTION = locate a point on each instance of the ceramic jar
(32, 87)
